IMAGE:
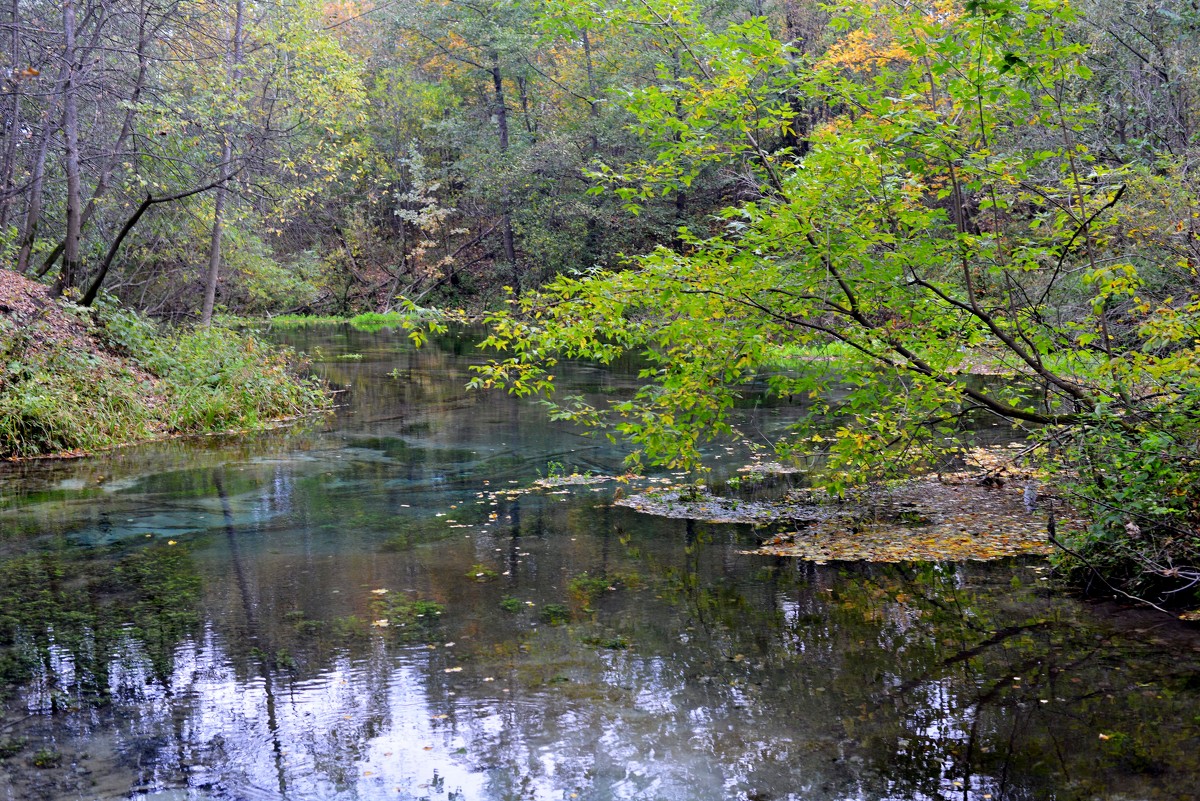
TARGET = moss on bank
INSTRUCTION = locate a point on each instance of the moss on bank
(74, 380)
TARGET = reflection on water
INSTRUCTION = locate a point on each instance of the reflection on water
(204, 620)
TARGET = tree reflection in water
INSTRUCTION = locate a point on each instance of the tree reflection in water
(246, 660)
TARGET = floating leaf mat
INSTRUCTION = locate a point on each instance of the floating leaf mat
(925, 519)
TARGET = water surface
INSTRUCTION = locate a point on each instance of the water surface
(205, 620)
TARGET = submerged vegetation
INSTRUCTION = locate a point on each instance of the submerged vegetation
(68, 601)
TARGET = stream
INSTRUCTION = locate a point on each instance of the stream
(381, 604)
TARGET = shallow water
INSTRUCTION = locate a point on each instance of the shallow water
(202, 620)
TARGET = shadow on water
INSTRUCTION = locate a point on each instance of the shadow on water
(371, 607)
(254, 632)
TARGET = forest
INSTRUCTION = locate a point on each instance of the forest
(912, 215)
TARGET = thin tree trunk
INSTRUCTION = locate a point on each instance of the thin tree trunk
(49, 261)
(214, 249)
(71, 255)
(127, 126)
(530, 125)
(506, 231)
(13, 118)
(33, 209)
(214, 253)
(592, 239)
(680, 195)
(501, 109)
(593, 105)
(150, 200)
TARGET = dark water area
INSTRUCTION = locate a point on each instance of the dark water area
(208, 620)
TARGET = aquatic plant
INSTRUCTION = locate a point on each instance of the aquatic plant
(395, 611)
(481, 572)
(555, 614)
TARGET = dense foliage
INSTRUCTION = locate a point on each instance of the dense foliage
(952, 214)
(73, 383)
(924, 191)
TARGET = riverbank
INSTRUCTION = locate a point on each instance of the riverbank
(75, 380)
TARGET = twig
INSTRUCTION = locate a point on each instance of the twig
(1058, 544)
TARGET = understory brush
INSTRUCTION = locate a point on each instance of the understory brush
(367, 321)
(216, 378)
(212, 378)
(70, 381)
(1139, 487)
(55, 398)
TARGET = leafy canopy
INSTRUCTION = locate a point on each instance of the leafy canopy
(946, 214)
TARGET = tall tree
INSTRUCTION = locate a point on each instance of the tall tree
(74, 67)
(226, 165)
(951, 211)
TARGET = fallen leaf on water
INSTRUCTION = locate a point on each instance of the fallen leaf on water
(922, 519)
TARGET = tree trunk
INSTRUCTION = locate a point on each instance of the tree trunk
(33, 209)
(214, 253)
(501, 109)
(111, 255)
(681, 197)
(12, 119)
(593, 237)
(127, 126)
(593, 106)
(71, 256)
(506, 231)
(530, 125)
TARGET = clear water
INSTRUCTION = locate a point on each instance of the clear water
(196, 620)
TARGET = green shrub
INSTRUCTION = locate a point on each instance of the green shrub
(131, 380)
(213, 378)
(55, 398)
(1138, 485)
(216, 378)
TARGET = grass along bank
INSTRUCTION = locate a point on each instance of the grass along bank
(367, 321)
(75, 380)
